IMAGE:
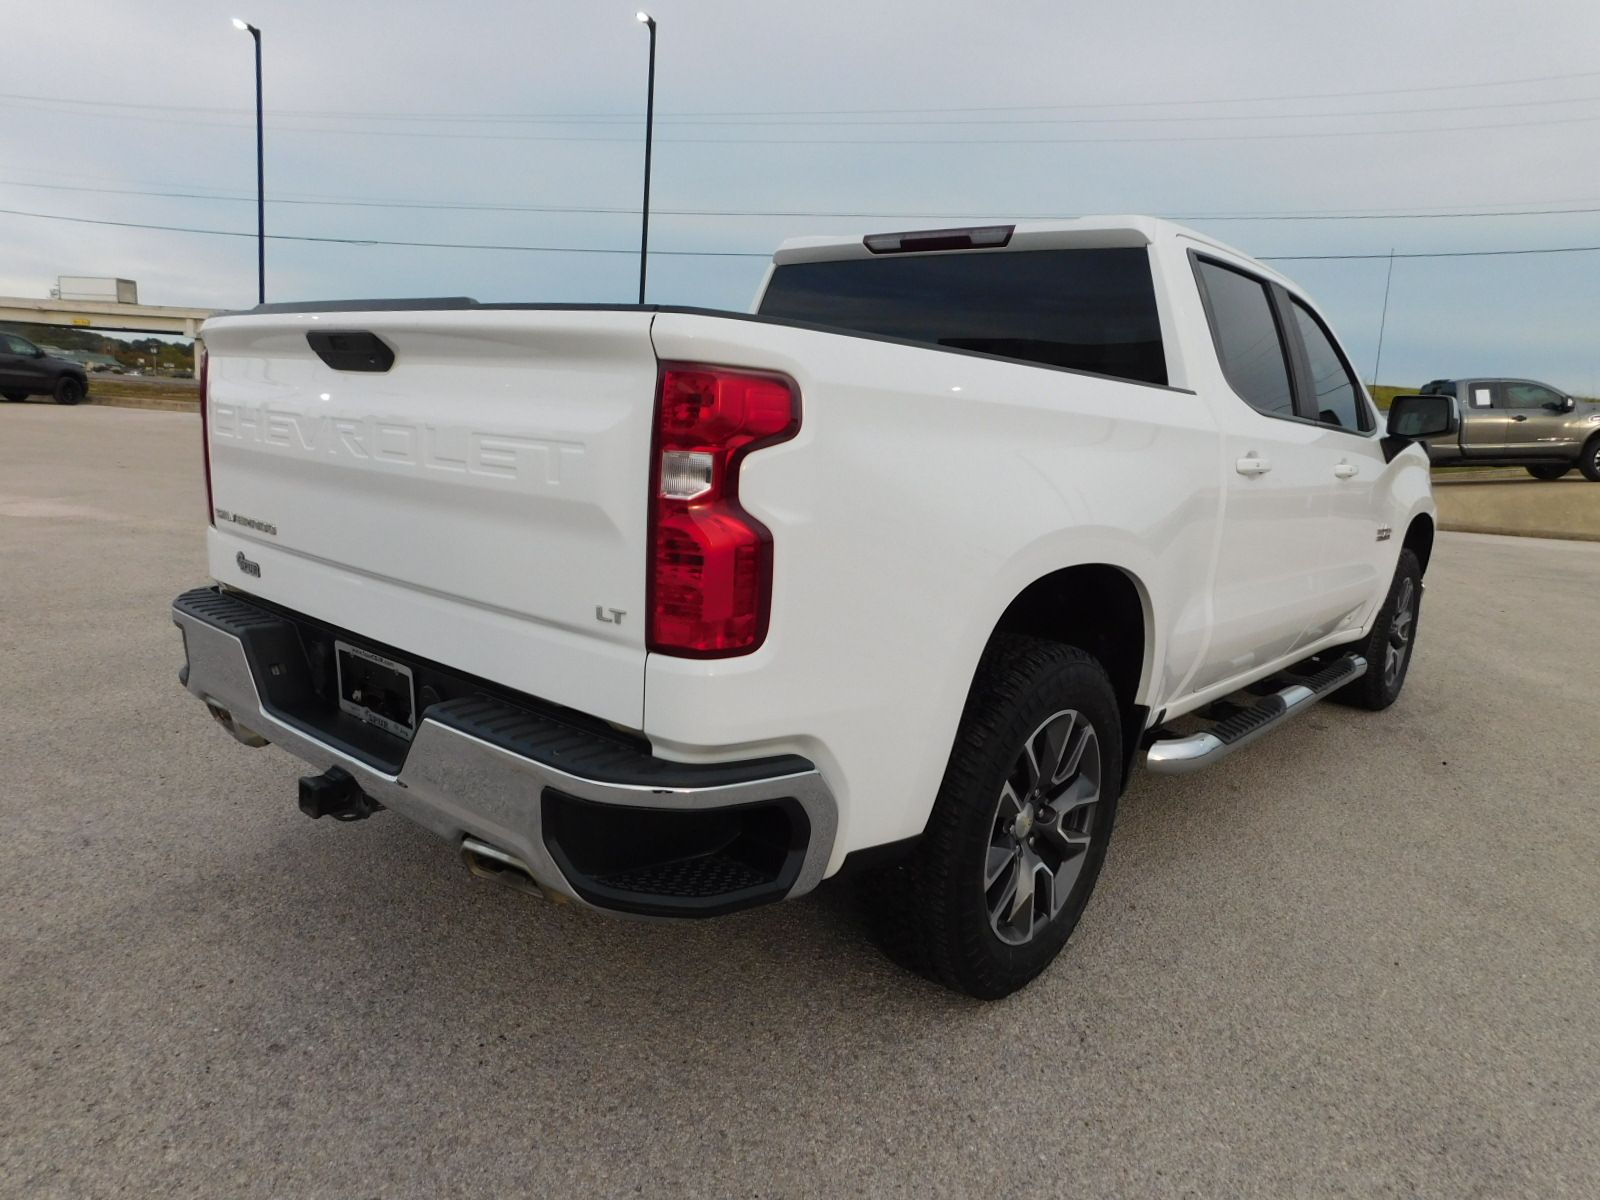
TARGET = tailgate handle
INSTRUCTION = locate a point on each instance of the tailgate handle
(351, 349)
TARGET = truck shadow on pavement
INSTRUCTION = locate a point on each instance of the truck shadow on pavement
(382, 915)
(401, 895)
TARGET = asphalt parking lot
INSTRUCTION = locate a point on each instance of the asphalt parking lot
(1360, 959)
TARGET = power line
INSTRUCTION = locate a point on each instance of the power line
(1402, 91)
(1488, 207)
(342, 241)
(1143, 120)
(467, 206)
(285, 237)
(867, 141)
(1427, 254)
(41, 104)
(1382, 216)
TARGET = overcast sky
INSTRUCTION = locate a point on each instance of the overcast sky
(895, 114)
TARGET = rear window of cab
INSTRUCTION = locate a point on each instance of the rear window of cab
(1091, 309)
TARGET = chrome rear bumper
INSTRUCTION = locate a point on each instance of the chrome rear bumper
(478, 768)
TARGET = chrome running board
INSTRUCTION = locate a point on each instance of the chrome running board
(1180, 755)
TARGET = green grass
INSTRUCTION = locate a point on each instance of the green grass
(1382, 393)
(122, 391)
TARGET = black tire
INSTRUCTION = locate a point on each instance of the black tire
(1549, 472)
(1589, 459)
(69, 390)
(15, 397)
(952, 909)
(1389, 646)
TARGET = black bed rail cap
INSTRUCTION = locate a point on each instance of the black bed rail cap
(400, 304)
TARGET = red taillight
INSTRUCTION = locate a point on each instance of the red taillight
(205, 431)
(711, 562)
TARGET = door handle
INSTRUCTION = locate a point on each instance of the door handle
(1346, 471)
(1251, 464)
(1519, 417)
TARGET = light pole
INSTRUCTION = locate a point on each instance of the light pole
(261, 184)
(649, 130)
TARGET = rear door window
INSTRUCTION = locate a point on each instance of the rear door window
(1247, 338)
(1090, 309)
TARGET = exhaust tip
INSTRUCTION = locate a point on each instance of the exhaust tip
(502, 867)
(223, 717)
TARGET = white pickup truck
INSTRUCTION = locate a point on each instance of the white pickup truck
(674, 612)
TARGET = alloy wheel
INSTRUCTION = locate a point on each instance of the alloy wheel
(1043, 825)
(1401, 627)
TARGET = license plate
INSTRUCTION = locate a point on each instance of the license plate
(378, 690)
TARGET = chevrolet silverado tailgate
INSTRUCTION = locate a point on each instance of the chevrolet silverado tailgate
(481, 502)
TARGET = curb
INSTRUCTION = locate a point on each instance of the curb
(155, 403)
(1563, 535)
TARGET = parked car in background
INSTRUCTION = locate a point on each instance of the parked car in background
(1519, 423)
(26, 370)
(674, 612)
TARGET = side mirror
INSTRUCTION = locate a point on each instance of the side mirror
(38, 353)
(1415, 417)
(1567, 404)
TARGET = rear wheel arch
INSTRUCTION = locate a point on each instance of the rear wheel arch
(1103, 610)
(967, 906)
(1419, 539)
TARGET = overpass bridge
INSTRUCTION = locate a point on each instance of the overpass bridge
(92, 314)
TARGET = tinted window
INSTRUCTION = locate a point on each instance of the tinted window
(1335, 395)
(1528, 395)
(15, 345)
(1246, 336)
(1090, 310)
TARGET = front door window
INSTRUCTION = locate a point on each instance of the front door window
(1525, 396)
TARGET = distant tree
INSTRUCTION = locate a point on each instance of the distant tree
(177, 356)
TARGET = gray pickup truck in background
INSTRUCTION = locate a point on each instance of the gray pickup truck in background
(1519, 423)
